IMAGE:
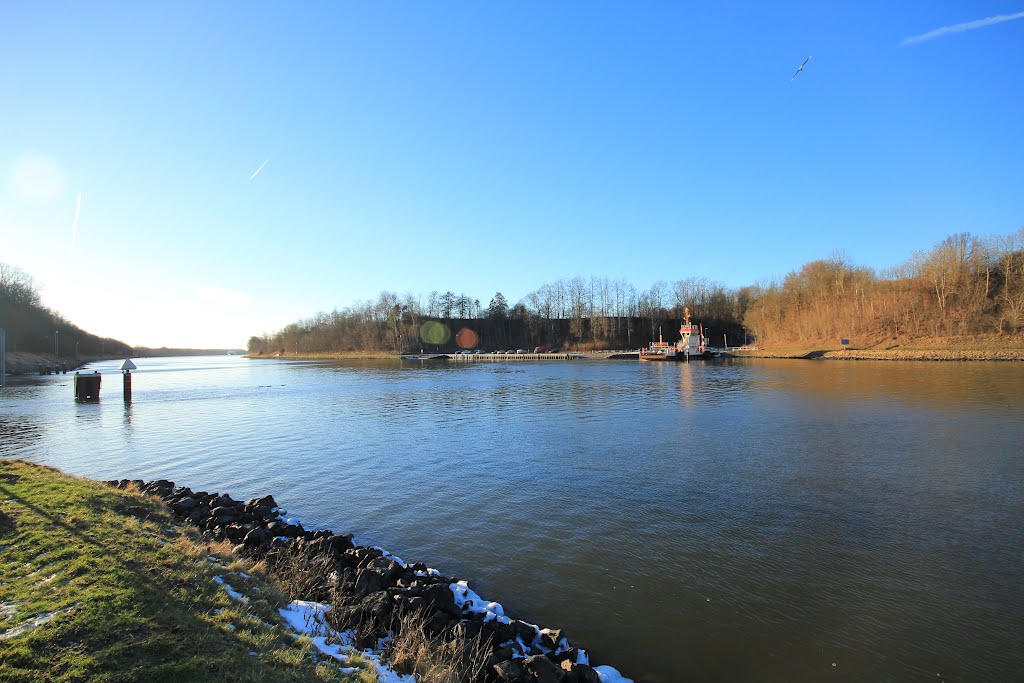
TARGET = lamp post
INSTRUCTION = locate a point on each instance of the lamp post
(3, 357)
(56, 344)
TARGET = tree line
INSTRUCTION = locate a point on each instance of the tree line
(33, 328)
(963, 285)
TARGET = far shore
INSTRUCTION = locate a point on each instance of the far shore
(965, 348)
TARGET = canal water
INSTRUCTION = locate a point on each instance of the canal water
(736, 520)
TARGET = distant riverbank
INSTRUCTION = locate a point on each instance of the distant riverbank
(965, 348)
(24, 363)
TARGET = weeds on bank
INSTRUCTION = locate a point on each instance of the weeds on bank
(449, 657)
(456, 659)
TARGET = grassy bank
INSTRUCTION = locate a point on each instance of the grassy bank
(980, 347)
(98, 584)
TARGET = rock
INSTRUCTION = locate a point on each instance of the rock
(267, 501)
(549, 638)
(528, 632)
(503, 633)
(579, 673)
(183, 505)
(256, 537)
(442, 598)
(377, 605)
(137, 511)
(438, 623)
(367, 555)
(543, 670)
(341, 542)
(368, 581)
(510, 671)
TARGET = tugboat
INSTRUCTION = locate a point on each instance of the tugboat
(693, 344)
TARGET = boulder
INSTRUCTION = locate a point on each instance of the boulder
(503, 633)
(183, 505)
(266, 501)
(438, 623)
(256, 537)
(377, 606)
(528, 632)
(543, 670)
(442, 598)
(579, 673)
(550, 638)
(510, 671)
(368, 581)
(341, 542)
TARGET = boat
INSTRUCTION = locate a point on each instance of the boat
(692, 344)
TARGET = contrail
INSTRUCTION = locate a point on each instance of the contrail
(959, 28)
(257, 171)
(74, 224)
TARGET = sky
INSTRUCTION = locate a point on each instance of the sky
(194, 173)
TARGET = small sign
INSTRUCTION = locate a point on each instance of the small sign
(846, 342)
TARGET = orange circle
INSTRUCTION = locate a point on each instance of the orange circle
(466, 338)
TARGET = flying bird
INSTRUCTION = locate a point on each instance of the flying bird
(797, 73)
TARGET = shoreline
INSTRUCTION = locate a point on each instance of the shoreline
(226, 569)
(21, 363)
(374, 583)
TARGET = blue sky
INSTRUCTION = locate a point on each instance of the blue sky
(480, 147)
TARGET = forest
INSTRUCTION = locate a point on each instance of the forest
(965, 285)
(33, 328)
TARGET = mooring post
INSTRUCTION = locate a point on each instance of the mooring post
(126, 367)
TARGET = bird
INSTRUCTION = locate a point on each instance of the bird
(797, 73)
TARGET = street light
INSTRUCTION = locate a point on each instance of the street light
(3, 357)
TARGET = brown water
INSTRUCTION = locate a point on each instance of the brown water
(747, 520)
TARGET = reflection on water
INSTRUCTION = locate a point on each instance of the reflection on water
(706, 521)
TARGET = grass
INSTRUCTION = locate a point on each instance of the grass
(974, 347)
(98, 584)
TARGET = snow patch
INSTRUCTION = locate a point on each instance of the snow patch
(232, 593)
(33, 623)
(467, 600)
(309, 618)
(610, 674)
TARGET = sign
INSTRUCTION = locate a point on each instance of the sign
(845, 342)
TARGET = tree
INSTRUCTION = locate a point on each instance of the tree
(17, 286)
(498, 308)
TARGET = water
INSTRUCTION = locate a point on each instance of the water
(768, 520)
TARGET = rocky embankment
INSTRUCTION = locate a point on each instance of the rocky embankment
(377, 588)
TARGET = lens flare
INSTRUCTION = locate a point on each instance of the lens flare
(434, 332)
(467, 338)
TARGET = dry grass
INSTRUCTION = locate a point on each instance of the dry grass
(456, 659)
(300, 574)
(978, 347)
(448, 658)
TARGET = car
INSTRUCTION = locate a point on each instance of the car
(520, 350)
